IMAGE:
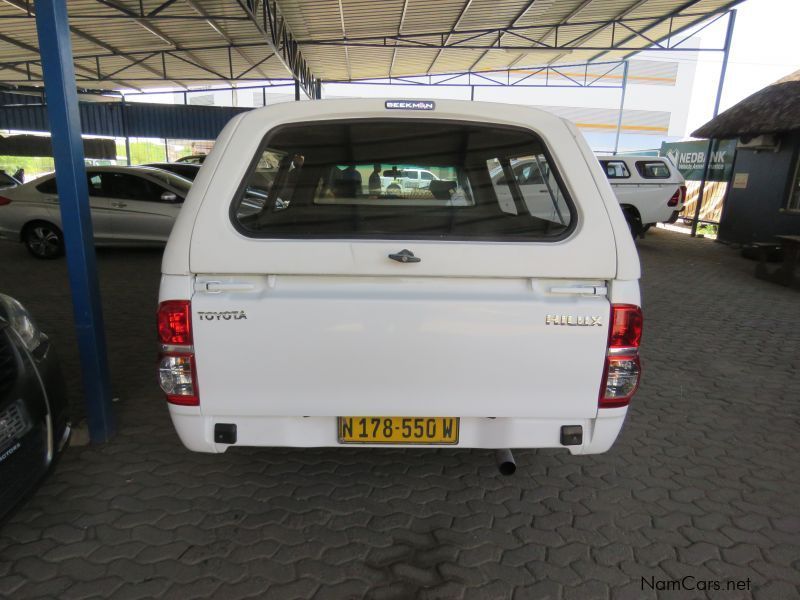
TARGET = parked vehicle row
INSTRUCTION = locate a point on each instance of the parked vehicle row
(129, 206)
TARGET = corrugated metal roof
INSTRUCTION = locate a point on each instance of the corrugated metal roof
(152, 43)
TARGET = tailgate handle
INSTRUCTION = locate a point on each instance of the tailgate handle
(582, 290)
(217, 287)
(405, 256)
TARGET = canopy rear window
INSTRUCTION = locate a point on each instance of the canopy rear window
(654, 169)
(403, 179)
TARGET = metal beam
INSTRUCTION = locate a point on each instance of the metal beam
(661, 21)
(65, 126)
(514, 22)
(491, 38)
(159, 33)
(122, 13)
(346, 49)
(710, 147)
(35, 50)
(621, 106)
(503, 78)
(464, 10)
(212, 22)
(282, 42)
(24, 5)
(399, 32)
(574, 13)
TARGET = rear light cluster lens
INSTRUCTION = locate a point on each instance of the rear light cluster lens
(4, 200)
(622, 369)
(175, 323)
(622, 379)
(678, 196)
(626, 327)
(176, 377)
(177, 374)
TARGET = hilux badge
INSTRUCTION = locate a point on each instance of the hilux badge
(226, 315)
(581, 320)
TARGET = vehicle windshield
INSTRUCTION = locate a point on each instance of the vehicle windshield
(403, 178)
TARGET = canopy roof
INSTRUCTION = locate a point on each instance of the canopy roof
(774, 109)
(155, 43)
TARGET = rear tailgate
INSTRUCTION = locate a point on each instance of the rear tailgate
(300, 345)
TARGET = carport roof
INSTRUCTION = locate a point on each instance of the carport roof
(155, 43)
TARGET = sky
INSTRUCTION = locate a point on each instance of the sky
(765, 47)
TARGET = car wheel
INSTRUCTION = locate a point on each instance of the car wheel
(634, 222)
(43, 240)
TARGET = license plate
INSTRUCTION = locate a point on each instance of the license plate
(398, 430)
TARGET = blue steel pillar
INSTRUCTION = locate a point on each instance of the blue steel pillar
(65, 127)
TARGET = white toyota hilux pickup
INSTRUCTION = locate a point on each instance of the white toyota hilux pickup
(650, 189)
(299, 309)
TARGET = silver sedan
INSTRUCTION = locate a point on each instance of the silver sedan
(130, 206)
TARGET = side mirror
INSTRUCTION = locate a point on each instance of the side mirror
(168, 197)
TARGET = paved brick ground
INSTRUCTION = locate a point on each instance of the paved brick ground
(703, 482)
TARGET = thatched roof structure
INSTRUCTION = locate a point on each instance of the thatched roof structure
(774, 109)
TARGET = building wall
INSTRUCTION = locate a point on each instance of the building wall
(756, 213)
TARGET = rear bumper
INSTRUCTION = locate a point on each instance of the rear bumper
(196, 431)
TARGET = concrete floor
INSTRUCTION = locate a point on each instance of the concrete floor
(704, 481)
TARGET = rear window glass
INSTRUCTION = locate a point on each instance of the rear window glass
(48, 186)
(177, 182)
(654, 169)
(405, 179)
(615, 169)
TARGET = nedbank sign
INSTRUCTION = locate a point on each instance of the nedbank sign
(689, 157)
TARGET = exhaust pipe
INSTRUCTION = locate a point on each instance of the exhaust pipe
(505, 461)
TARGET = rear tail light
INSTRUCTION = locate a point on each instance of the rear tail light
(622, 368)
(175, 323)
(177, 374)
(4, 200)
(678, 196)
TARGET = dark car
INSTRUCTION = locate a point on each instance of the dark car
(186, 170)
(34, 425)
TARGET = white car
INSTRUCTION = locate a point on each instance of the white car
(404, 179)
(650, 189)
(450, 318)
(129, 206)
